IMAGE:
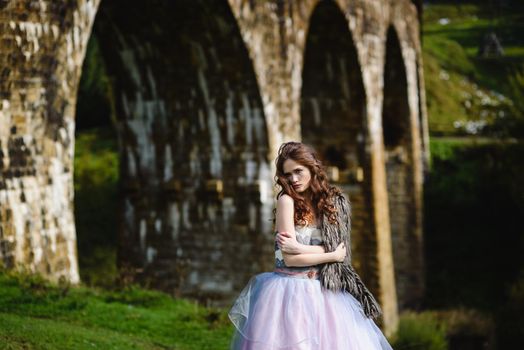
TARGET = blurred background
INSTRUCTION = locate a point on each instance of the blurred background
(474, 193)
(473, 61)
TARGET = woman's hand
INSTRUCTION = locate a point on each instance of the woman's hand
(340, 252)
(287, 241)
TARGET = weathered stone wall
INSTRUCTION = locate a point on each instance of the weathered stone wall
(400, 178)
(42, 46)
(410, 272)
(196, 185)
(205, 92)
(333, 113)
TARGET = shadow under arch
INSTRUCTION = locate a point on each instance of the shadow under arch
(333, 121)
(195, 179)
(397, 130)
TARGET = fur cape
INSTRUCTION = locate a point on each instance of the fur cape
(338, 276)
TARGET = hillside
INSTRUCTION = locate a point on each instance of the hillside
(35, 314)
(468, 94)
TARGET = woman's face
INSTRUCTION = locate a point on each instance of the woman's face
(297, 175)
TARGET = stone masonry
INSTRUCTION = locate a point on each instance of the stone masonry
(204, 94)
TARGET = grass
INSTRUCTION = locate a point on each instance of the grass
(50, 334)
(469, 22)
(40, 315)
(466, 93)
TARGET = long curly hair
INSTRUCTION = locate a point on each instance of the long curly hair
(322, 193)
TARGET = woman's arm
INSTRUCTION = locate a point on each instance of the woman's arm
(288, 243)
(308, 259)
(285, 223)
(284, 214)
(311, 249)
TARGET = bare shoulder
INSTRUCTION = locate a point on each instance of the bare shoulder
(284, 213)
(285, 199)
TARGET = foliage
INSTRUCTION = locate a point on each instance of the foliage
(473, 232)
(516, 83)
(96, 174)
(464, 322)
(510, 122)
(442, 329)
(435, 11)
(420, 331)
(473, 199)
(449, 54)
(511, 315)
(95, 100)
(468, 328)
(40, 315)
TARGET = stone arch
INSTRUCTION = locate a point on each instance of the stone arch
(422, 114)
(195, 176)
(400, 169)
(43, 45)
(41, 52)
(334, 122)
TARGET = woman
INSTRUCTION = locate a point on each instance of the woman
(313, 299)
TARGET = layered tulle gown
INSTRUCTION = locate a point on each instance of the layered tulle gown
(288, 309)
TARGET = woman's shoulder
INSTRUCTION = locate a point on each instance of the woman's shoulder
(285, 198)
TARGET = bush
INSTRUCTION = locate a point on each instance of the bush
(96, 205)
(473, 236)
(420, 331)
(453, 329)
(467, 329)
(473, 231)
(511, 316)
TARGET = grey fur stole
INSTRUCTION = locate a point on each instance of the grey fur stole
(338, 276)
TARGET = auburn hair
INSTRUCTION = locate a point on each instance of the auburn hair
(322, 193)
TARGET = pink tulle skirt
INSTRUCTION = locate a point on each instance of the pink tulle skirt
(276, 311)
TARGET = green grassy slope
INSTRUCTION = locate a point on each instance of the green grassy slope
(466, 94)
(38, 315)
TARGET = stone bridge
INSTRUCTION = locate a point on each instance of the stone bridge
(204, 92)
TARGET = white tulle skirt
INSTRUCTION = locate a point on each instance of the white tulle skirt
(276, 311)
